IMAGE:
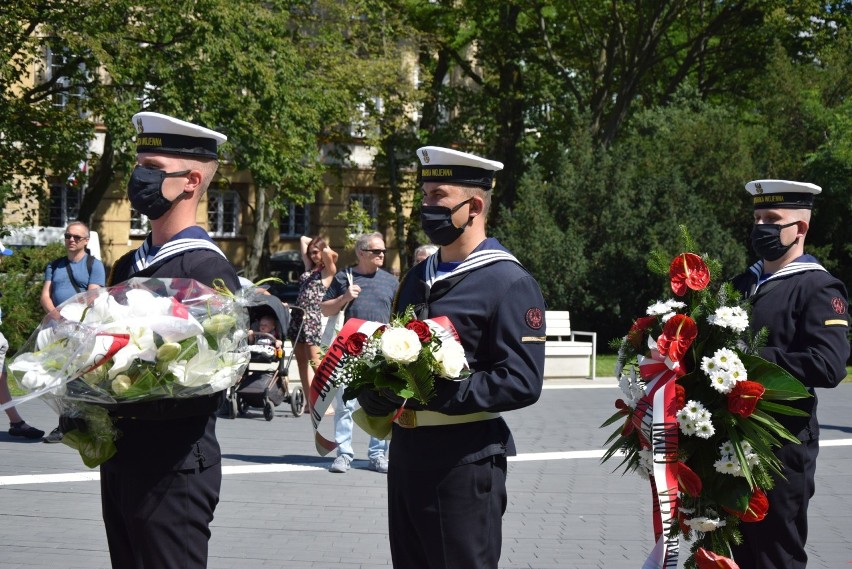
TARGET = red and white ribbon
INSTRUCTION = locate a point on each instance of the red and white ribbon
(323, 390)
(656, 412)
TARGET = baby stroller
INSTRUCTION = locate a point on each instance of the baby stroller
(265, 383)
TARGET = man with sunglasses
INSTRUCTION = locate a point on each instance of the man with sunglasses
(364, 291)
(66, 276)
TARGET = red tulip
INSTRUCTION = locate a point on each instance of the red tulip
(687, 481)
(709, 560)
(758, 507)
(678, 334)
(743, 398)
(424, 333)
(688, 271)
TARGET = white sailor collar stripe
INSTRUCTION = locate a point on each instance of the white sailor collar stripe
(791, 269)
(474, 261)
(169, 250)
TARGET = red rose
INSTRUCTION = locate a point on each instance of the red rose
(355, 343)
(688, 271)
(709, 560)
(637, 331)
(758, 507)
(687, 481)
(678, 334)
(743, 398)
(424, 333)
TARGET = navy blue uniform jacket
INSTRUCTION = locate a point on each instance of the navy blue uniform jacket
(806, 312)
(498, 311)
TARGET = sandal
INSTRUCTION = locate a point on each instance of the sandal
(21, 429)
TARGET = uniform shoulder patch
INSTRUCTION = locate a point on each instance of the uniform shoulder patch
(534, 318)
(839, 305)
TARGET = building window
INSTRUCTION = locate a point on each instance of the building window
(64, 204)
(139, 224)
(294, 221)
(370, 204)
(363, 124)
(223, 212)
(61, 70)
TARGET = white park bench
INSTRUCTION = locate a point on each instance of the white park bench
(564, 355)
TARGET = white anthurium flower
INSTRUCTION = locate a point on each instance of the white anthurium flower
(34, 372)
(232, 367)
(400, 345)
(45, 337)
(450, 359)
(199, 369)
(141, 346)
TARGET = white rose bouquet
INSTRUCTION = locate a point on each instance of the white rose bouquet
(143, 340)
(405, 357)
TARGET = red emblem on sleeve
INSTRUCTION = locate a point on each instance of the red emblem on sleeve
(534, 318)
(839, 305)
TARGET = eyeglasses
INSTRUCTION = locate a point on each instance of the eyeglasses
(74, 237)
(376, 251)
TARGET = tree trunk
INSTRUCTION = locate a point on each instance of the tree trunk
(99, 182)
(262, 221)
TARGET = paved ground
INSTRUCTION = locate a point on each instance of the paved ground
(281, 508)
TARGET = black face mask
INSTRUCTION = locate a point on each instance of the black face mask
(437, 223)
(766, 240)
(145, 190)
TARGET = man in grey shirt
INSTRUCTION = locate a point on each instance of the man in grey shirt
(364, 291)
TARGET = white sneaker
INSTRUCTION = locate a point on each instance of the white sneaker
(341, 464)
(379, 464)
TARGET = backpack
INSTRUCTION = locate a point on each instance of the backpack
(54, 264)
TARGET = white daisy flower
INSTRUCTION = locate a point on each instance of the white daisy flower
(704, 429)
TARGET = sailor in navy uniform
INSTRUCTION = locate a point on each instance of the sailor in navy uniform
(160, 489)
(806, 312)
(447, 478)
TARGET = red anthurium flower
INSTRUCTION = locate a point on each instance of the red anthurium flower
(678, 334)
(355, 343)
(709, 560)
(637, 331)
(424, 333)
(688, 271)
(687, 481)
(743, 398)
(758, 507)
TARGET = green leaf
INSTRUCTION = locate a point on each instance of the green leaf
(779, 384)
(780, 409)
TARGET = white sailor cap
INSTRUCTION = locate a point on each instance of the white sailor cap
(782, 194)
(4, 251)
(451, 166)
(162, 134)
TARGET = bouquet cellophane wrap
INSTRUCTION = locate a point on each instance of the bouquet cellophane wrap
(144, 340)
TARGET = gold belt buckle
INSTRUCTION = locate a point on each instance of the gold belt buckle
(407, 419)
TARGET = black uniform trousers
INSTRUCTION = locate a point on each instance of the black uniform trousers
(778, 541)
(157, 520)
(448, 518)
